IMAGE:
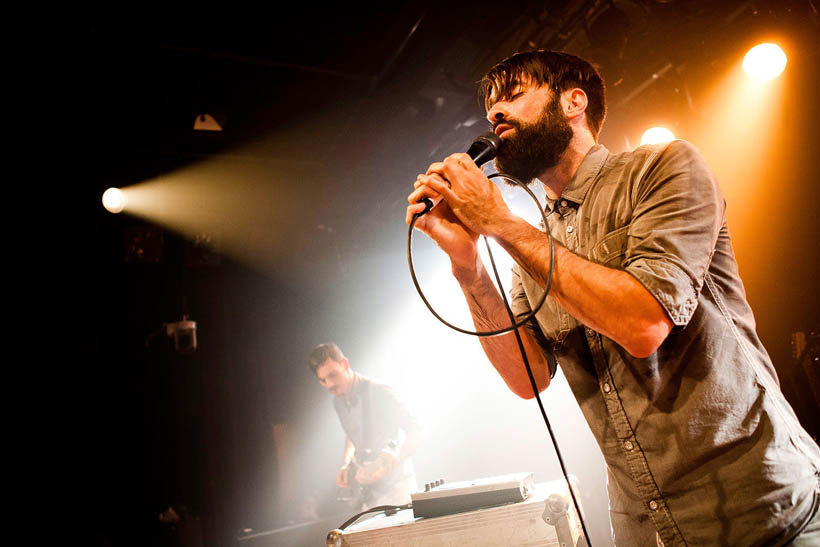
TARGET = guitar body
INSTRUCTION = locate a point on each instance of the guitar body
(357, 494)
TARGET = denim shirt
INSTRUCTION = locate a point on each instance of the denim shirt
(700, 444)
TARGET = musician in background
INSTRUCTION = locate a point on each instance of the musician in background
(381, 433)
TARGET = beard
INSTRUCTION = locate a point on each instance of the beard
(535, 147)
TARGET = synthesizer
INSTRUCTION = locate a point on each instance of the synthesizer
(440, 498)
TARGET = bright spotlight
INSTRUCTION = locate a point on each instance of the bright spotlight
(657, 135)
(764, 62)
(114, 200)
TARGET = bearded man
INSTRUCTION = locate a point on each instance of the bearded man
(647, 315)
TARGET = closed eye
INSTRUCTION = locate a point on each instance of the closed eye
(511, 97)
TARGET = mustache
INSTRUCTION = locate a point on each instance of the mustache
(507, 121)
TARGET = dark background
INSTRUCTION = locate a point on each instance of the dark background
(338, 108)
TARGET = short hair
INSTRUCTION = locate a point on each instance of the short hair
(322, 353)
(556, 69)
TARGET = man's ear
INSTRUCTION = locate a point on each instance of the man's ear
(345, 363)
(574, 102)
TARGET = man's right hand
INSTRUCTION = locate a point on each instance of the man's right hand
(443, 227)
(343, 476)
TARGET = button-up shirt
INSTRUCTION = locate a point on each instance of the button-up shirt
(700, 444)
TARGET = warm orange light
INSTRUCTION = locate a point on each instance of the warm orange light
(743, 134)
(114, 200)
(764, 62)
(657, 135)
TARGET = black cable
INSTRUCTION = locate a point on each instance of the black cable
(388, 510)
(534, 385)
(514, 327)
(524, 320)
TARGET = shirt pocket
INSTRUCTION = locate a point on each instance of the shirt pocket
(611, 249)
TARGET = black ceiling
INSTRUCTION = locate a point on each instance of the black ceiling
(353, 101)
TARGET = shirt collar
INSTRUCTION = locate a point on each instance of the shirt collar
(584, 176)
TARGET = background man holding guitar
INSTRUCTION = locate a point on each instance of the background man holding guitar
(381, 433)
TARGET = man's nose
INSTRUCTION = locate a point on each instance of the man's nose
(497, 113)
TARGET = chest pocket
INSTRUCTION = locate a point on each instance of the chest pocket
(611, 249)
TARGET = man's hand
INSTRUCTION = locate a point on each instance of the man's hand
(443, 227)
(374, 471)
(343, 476)
(470, 201)
(473, 198)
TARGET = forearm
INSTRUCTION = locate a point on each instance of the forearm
(349, 452)
(489, 313)
(609, 301)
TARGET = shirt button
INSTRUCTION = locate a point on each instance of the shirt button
(607, 388)
(569, 229)
(629, 446)
(653, 505)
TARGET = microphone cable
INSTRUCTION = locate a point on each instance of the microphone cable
(524, 320)
(514, 325)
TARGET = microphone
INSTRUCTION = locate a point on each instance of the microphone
(484, 148)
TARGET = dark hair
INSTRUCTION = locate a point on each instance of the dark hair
(556, 69)
(322, 353)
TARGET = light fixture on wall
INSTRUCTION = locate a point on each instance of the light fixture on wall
(206, 122)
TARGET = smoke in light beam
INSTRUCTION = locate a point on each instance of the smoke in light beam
(252, 211)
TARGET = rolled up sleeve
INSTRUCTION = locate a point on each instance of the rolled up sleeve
(678, 213)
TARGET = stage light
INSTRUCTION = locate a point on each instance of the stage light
(206, 122)
(657, 135)
(764, 62)
(114, 200)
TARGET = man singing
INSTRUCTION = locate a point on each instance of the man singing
(647, 314)
(381, 432)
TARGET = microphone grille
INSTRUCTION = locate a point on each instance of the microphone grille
(484, 148)
(490, 139)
